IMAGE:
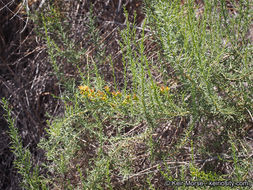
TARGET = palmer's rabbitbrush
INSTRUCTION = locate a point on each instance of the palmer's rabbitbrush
(157, 99)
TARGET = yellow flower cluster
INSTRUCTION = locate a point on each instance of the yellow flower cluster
(164, 89)
(116, 94)
(129, 98)
(91, 94)
(104, 95)
(83, 89)
(107, 93)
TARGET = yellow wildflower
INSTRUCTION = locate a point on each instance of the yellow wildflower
(135, 97)
(100, 93)
(115, 94)
(91, 91)
(118, 93)
(83, 89)
(127, 99)
(107, 89)
(103, 98)
(90, 95)
(164, 89)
